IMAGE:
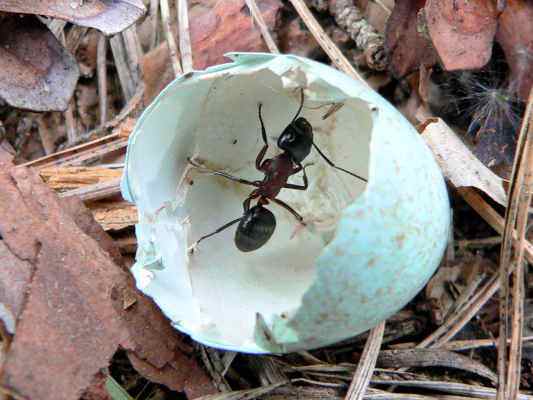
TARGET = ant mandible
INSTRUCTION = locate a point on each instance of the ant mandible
(258, 223)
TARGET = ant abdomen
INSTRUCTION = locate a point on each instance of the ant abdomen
(255, 228)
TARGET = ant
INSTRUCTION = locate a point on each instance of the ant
(258, 223)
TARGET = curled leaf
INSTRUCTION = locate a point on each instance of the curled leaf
(36, 72)
(108, 16)
(458, 163)
(462, 31)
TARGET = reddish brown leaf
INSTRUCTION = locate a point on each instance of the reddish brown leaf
(515, 35)
(109, 16)
(97, 390)
(217, 27)
(405, 46)
(36, 72)
(83, 217)
(15, 275)
(80, 305)
(462, 31)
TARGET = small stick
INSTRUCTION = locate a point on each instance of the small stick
(517, 213)
(325, 41)
(120, 55)
(258, 17)
(184, 36)
(101, 72)
(171, 43)
(154, 10)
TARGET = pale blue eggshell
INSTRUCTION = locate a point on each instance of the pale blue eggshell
(386, 245)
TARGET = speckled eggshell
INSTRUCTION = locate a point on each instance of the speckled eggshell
(306, 288)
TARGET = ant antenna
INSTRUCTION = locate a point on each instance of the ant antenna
(334, 166)
(301, 105)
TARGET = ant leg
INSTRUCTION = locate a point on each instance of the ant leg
(298, 187)
(261, 155)
(289, 209)
(246, 206)
(334, 166)
(225, 226)
(223, 174)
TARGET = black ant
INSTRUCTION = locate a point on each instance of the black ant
(258, 223)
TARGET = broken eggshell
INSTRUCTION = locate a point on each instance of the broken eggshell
(366, 250)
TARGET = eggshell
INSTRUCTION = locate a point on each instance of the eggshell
(366, 249)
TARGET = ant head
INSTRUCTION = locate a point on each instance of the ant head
(297, 139)
(255, 228)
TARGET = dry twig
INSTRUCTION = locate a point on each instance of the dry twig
(184, 36)
(325, 41)
(101, 72)
(171, 43)
(258, 17)
(366, 365)
(516, 216)
(153, 15)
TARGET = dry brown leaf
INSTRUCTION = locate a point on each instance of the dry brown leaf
(109, 16)
(406, 47)
(15, 275)
(458, 164)
(36, 72)
(83, 217)
(80, 306)
(515, 35)
(216, 28)
(462, 31)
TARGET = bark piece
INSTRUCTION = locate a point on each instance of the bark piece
(114, 215)
(66, 178)
(36, 72)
